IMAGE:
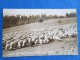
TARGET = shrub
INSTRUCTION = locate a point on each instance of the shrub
(40, 20)
(59, 21)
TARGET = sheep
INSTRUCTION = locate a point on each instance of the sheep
(25, 43)
(34, 37)
(56, 38)
(29, 41)
(41, 38)
(13, 45)
(45, 40)
(20, 44)
(50, 38)
(8, 42)
(40, 41)
(7, 46)
(35, 40)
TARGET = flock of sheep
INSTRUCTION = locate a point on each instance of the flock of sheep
(21, 39)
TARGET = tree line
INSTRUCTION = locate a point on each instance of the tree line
(11, 21)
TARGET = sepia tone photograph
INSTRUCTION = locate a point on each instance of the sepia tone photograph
(39, 32)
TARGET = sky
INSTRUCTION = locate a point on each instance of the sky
(27, 12)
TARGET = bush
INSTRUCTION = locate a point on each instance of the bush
(59, 21)
(40, 20)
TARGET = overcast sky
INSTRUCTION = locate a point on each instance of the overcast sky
(28, 12)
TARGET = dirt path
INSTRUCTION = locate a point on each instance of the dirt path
(64, 47)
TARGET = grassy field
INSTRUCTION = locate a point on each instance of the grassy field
(44, 24)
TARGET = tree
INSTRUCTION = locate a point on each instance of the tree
(67, 15)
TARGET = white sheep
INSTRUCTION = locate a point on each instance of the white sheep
(13, 45)
(20, 44)
(25, 43)
(7, 46)
(41, 38)
(45, 40)
(56, 38)
(29, 41)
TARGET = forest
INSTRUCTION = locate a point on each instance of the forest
(11, 21)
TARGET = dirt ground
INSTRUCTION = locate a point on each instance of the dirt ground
(67, 46)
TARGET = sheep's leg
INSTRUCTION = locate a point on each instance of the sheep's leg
(6, 48)
(36, 42)
(41, 41)
(23, 44)
(19, 46)
(10, 47)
